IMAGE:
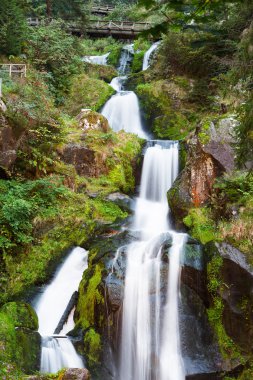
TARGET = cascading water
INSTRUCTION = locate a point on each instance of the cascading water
(96, 59)
(58, 353)
(122, 109)
(148, 55)
(150, 346)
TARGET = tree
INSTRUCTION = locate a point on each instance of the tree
(13, 27)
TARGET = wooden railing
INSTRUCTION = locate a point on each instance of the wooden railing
(123, 29)
(14, 69)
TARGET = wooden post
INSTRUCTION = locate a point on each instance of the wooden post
(10, 70)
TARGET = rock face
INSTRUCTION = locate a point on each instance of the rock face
(200, 351)
(82, 158)
(8, 145)
(209, 154)
(77, 153)
(76, 374)
(237, 295)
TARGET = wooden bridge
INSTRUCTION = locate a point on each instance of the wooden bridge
(101, 28)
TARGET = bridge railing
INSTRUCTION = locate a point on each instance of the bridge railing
(14, 69)
(96, 26)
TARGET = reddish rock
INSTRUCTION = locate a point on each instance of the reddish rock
(76, 374)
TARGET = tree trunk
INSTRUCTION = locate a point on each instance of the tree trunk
(49, 8)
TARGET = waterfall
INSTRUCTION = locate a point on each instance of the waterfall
(150, 345)
(122, 112)
(59, 352)
(122, 109)
(96, 59)
(148, 55)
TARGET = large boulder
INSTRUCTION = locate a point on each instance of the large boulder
(76, 374)
(209, 154)
(88, 119)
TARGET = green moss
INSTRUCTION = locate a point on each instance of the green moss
(201, 225)
(114, 56)
(228, 348)
(166, 120)
(106, 73)
(137, 62)
(89, 297)
(92, 347)
(20, 346)
(86, 92)
(107, 211)
(21, 314)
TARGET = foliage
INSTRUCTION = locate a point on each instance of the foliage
(232, 204)
(13, 27)
(53, 50)
(19, 204)
(32, 114)
(61, 9)
(201, 224)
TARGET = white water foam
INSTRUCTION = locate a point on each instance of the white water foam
(148, 55)
(58, 353)
(123, 112)
(96, 59)
(146, 347)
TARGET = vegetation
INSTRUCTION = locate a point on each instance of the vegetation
(202, 71)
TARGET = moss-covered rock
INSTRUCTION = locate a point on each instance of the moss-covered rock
(19, 339)
(86, 92)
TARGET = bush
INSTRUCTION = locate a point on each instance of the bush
(53, 50)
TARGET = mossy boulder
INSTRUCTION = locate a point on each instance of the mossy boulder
(19, 339)
(21, 314)
(87, 92)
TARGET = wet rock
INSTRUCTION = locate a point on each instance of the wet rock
(76, 374)
(237, 295)
(199, 348)
(115, 292)
(122, 200)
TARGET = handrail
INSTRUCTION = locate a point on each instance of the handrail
(14, 68)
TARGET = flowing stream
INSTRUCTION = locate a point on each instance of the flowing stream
(59, 352)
